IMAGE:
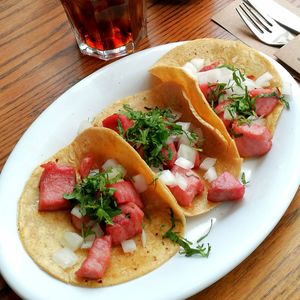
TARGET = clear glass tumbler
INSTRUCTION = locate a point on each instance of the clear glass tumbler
(107, 28)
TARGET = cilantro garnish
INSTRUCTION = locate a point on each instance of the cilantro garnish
(95, 198)
(242, 105)
(187, 250)
(87, 232)
(151, 131)
(216, 91)
(238, 77)
(120, 128)
(274, 94)
(243, 179)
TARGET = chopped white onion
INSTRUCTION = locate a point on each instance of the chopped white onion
(172, 139)
(85, 124)
(116, 168)
(260, 121)
(88, 241)
(110, 163)
(144, 238)
(181, 181)
(234, 88)
(115, 172)
(190, 69)
(187, 152)
(72, 240)
(167, 177)
(65, 258)
(97, 230)
(184, 163)
(128, 246)
(198, 63)
(156, 169)
(199, 134)
(94, 172)
(227, 115)
(184, 125)
(264, 79)
(210, 174)
(76, 211)
(140, 183)
(251, 84)
(207, 163)
(183, 139)
(221, 75)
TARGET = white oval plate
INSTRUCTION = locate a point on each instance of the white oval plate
(239, 229)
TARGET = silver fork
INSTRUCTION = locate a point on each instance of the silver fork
(265, 28)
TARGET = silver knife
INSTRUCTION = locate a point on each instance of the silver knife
(278, 12)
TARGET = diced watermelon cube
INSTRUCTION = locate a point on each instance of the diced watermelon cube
(171, 149)
(55, 181)
(225, 188)
(115, 120)
(86, 166)
(97, 261)
(125, 193)
(195, 186)
(127, 224)
(252, 140)
(264, 105)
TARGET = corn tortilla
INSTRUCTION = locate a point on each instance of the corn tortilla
(41, 232)
(169, 69)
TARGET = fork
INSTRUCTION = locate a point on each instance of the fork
(261, 25)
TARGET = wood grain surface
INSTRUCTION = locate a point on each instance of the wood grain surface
(39, 60)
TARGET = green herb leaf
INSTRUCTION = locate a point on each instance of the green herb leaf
(187, 250)
(243, 179)
(95, 198)
(87, 232)
(120, 128)
(151, 131)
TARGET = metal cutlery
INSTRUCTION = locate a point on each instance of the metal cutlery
(279, 13)
(262, 26)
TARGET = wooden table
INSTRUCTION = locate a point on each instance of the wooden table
(39, 61)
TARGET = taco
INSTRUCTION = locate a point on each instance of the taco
(184, 151)
(96, 180)
(231, 86)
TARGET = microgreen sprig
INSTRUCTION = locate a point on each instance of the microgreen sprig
(151, 131)
(187, 250)
(95, 198)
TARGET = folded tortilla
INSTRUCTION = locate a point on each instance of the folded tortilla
(169, 69)
(170, 96)
(41, 232)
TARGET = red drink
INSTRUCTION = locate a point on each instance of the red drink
(106, 28)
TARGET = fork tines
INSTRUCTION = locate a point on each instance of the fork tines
(259, 20)
(265, 28)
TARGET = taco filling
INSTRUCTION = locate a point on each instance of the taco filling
(241, 101)
(106, 210)
(174, 148)
(91, 217)
(231, 86)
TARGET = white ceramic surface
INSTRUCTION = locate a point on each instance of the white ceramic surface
(239, 228)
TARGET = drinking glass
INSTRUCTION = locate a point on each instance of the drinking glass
(107, 28)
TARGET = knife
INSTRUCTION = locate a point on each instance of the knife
(279, 13)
